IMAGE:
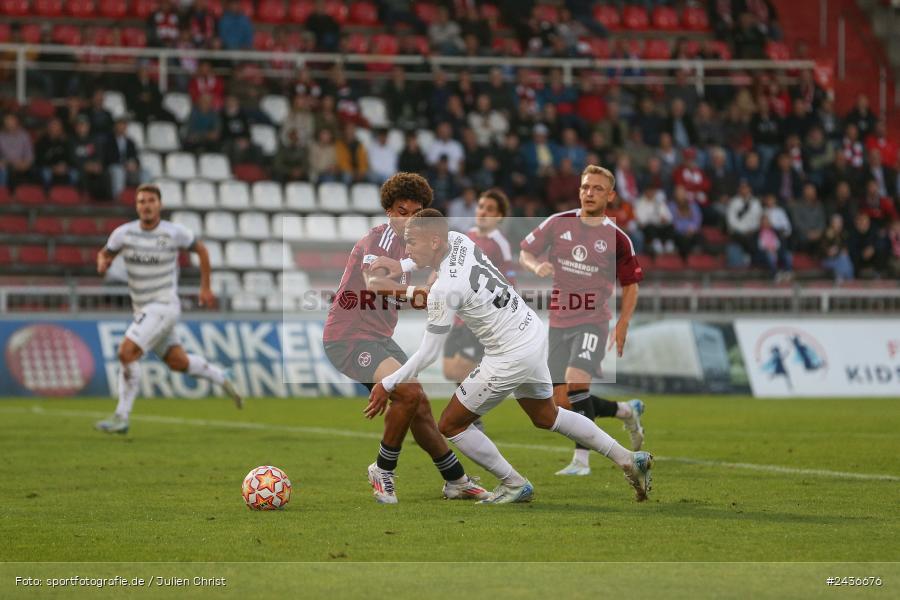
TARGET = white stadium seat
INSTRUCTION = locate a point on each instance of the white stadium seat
(374, 111)
(220, 225)
(178, 104)
(181, 165)
(200, 194)
(267, 195)
(265, 137)
(376, 220)
(365, 198)
(135, 131)
(215, 166)
(293, 283)
(171, 192)
(151, 164)
(215, 254)
(241, 254)
(190, 220)
(333, 197)
(300, 196)
(276, 107)
(224, 282)
(114, 102)
(396, 140)
(352, 227)
(276, 256)
(162, 136)
(253, 226)
(234, 195)
(277, 302)
(321, 227)
(260, 283)
(244, 302)
(288, 227)
(425, 137)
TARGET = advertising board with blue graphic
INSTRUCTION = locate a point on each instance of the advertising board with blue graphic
(79, 358)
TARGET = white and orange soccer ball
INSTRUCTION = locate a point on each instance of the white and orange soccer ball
(266, 488)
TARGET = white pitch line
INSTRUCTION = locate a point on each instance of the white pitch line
(251, 426)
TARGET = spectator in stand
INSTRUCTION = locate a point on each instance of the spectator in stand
(515, 175)
(559, 94)
(489, 125)
(753, 172)
(235, 29)
(783, 180)
(831, 124)
(236, 138)
(403, 101)
(326, 117)
(652, 213)
(201, 24)
(300, 121)
(100, 118)
(626, 179)
(500, 92)
(590, 108)
(291, 162)
(325, 29)
(834, 250)
(614, 129)
(461, 210)
(801, 120)
(445, 145)
(540, 153)
(16, 152)
(411, 159)
(573, 149)
(695, 183)
(861, 117)
(668, 155)
(90, 159)
(444, 183)
(893, 238)
(748, 41)
(879, 208)
(852, 147)
(54, 156)
(163, 25)
(145, 99)
(305, 85)
(203, 129)
(472, 24)
(563, 185)
(122, 159)
(778, 217)
(885, 179)
(655, 177)
(768, 134)
(598, 146)
(351, 155)
(879, 141)
(708, 127)
(808, 217)
(622, 214)
(866, 248)
(383, 158)
(455, 115)
(488, 175)
(686, 220)
(445, 35)
(649, 122)
(743, 218)
(722, 180)
(680, 125)
(323, 165)
(773, 252)
(474, 153)
(819, 152)
(207, 83)
(639, 152)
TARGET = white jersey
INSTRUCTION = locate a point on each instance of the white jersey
(151, 259)
(470, 286)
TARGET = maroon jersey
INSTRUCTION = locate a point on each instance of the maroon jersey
(357, 313)
(586, 261)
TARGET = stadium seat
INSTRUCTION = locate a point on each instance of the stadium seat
(288, 227)
(48, 8)
(635, 18)
(41, 108)
(300, 196)
(114, 102)
(547, 12)
(668, 262)
(151, 163)
(16, 8)
(68, 35)
(101, 36)
(778, 51)
(259, 283)
(70, 256)
(608, 16)
(30, 195)
(363, 14)
(224, 282)
(714, 236)
(13, 224)
(64, 195)
(333, 197)
(276, 107)
(247, 8)
(249, 172)
(219, 225)
(241, 254)
(83, 226)
(244, 302)
(171, 192)
(253, 226)
(657, 49)
(178, 104)
(113, 9)
(234, 195)
(45, 226)
(694, 18)
(265, 137)
(275, 255)
(425, 137)
(396, 140)
(293, 283)
(489, 11)
(127, 196)
(721, 48)
(337, 9)
(142, 8)
(271, 11)
(599, 48)
(665, 18)
(82, 9)
(352, 227)
(190, 220)
(278, 302)
(263, 40)
(804, 262)
(299, 10)
(162, 136)
(5, 198)
(374, 111)
(134, 37)
(321, 227)
(215, 166)
(266, 195)
(216, 258)
(199, 194)
(705, 262)
(426, 11)
(5, 255)
(33, 255)
(365, 198)
(181, 165)
(357, 43)
(107, 226)
(383, 43)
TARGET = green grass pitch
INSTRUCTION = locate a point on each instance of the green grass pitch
(737, 480)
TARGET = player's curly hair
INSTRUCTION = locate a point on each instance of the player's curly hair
(498, 196)
(406, 186)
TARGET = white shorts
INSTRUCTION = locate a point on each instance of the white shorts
(523, 373)
(153, 328)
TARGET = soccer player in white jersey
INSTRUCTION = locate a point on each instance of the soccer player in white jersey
(515, 360)
(150, 248)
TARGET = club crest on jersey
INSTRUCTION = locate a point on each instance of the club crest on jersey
(600, 246)
(365, 359)
(579, 253)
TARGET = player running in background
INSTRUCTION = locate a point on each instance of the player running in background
(515, 360)
(357, 340)
(583, 246)
(150, 248)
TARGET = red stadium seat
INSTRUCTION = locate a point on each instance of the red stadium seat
(70, 256)
(721, 48)
(508, 46)
(5, 255)
(48, 226)
(364, 14)
(547, 12)
(48, 8)
(30, 195)
(64, 195)
(5, 198)
(104, 36)
(358, 43)
(428, 12)
(41, 108)
(31, 33)
(33, 255)
(705, 262)
(13, 224)
(16, 8)
(215, 7)
(599, 47)
(489, 11)
(68, 35)
(694, 18)
(271, 11)
(635, 17)
(337, 9)
(635, 47)
(249, 172)
(85, 226)
(298, 12)
(113, 9)
(134, 37)
(5, 33)
(668, 262)
(665, 18)
(608, 16)
(248, 8)
(383, 43)
(127, 196)
(778, 51)
(110, 225)
(422, 44)
(657, 49)
(714, 236)
(263, 40)
(142, 8)
(82, 9)
(692, 47)
(804, 262)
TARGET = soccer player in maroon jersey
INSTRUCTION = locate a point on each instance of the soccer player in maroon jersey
(462, 350)
(357, 340)
(583, 246)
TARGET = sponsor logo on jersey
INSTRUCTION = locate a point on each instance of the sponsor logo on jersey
(600, 246)
(579, 253)
(566, 236)
(364, 360)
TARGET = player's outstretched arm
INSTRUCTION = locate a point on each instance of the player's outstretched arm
(629, 303)
(427, 353)
(530, 262)
(378, 280)
(207, 298)
(104, 259)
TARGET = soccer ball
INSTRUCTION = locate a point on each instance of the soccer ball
(266, 488)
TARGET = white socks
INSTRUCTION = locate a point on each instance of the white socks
(582, 455)
(200, 367)
(481, 450)
(579, 428)
(129, 384)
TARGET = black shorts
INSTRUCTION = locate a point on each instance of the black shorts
(581, 346)
(462, 341)
(358, 359)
